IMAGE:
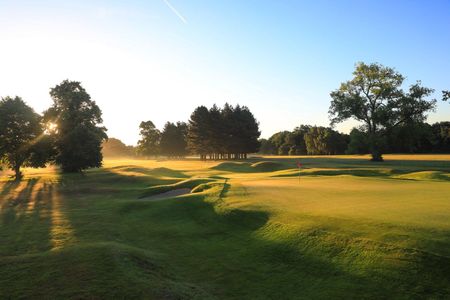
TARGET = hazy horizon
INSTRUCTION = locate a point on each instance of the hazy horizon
(158, 60)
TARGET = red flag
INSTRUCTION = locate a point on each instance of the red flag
(299, 165)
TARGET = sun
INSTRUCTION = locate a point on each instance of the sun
(51, 127)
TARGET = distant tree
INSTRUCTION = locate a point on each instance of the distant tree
(358, 142)
(113, 147)
(374, 97)
(79, 135)
(297, 140)
(149, 144)
(22, 139)
(266, 147)
(174, 140)
(440, 138)
(280, 141)
(199, 132)
(230, 132)
(410, 137)
(316, 140)
(219, 131)
(324, 140)
(247, 137)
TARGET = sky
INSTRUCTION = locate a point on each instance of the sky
(159, 59)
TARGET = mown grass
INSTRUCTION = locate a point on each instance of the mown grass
(346, 229)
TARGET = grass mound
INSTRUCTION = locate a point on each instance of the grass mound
(232, 166)
(92, 271)
(206, 186)
(188, 183)
(245, 167)
(266, 166)
(425, 175)
(155, 172)
(336, 172)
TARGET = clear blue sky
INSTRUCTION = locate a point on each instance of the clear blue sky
(157, 60)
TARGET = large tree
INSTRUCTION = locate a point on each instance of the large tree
(374, 97)
(148, 145)
(249, 132)
(199, 132)
(230, 132)
(22, 138)
(173, 139)
(77, 120)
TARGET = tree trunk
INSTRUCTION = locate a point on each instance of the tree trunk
(18, 174)
(375, 148)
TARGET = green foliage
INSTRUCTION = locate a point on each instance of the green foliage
(358, 142)
(445, 95)
(440, 138)
(198, 133)
(148, 145)
(113, 147)
(374, 97)
(266, 147)
(173, 141)
(78, 137)
(22, 139)
(307, 139)
(231, 132)
(323, 140)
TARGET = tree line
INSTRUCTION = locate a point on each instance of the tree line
(317, 140)
(230, 132)
(305, 140)
(170, 142)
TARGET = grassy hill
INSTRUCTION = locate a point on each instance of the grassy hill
(348, 228)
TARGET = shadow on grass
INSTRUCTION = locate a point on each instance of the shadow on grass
(249, 167)
(155, 172)
(353, 163)
(380, 173)
(239, 254)
(196, 243)
(25, 218)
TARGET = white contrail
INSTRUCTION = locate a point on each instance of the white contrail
(175, 11)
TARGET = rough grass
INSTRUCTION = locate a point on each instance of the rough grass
(347, 229)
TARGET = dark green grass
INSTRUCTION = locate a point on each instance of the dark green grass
(200, 246)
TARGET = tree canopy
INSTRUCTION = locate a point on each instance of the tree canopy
(113, 147)
(148, 145)
(374, 97)
(78, 134)
(173, 139)
(445, 95)
(227, 133)
(22, 139)
(305, 140)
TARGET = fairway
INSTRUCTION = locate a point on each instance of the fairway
(255, 229)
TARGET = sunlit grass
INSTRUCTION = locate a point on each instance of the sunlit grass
(348, 228)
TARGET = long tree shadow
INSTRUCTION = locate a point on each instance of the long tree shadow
(222, 246)
(26, 219)
(230, 252)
